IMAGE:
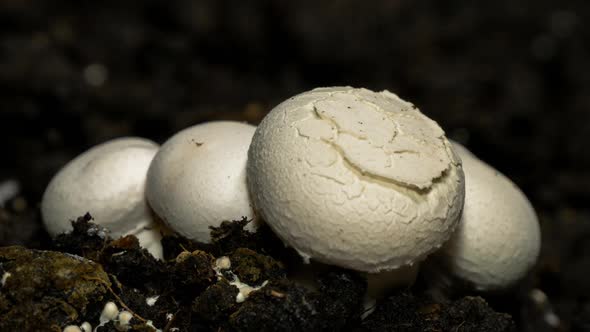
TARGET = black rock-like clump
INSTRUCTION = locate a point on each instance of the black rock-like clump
(280, 306)
(189, 275)
(133, 266)
(341, 300)
(407, 312)
(86, 239)
(253, 268)
(215, 304)
(186, 292)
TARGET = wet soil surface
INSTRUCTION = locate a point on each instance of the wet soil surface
(508, 79)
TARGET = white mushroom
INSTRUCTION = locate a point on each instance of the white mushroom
(499, 238)
(198, 178)
(72, 328)
(109, 182)
(86, 327)
(109, 312)
(123, 320)
(355, 178)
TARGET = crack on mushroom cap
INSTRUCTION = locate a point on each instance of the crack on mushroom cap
(397, 143)
(322, 127)
(356, 207)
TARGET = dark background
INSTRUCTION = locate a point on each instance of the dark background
(510, 79)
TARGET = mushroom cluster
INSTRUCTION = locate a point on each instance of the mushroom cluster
(363, 180)
(195, 180)
(347, 177)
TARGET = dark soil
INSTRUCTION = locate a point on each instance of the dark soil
(507, 78)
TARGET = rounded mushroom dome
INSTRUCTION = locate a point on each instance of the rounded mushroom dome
(108, 181)
(198, 178)
(498, 239)
(355, 178)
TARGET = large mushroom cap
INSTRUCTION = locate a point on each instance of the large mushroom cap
(355, 178)
(499, 238)
(198, 178)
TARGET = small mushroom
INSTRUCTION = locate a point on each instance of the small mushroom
(72, 328)
(109, 312)
(86, 327)
(198, 178)
(123, 320)
(499, 238)
(107, 181)
(355, 178)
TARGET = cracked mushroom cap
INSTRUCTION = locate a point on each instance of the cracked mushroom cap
(198, 178)
(499, 238)
(355, 178)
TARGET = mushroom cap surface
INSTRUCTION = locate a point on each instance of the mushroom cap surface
(198, 178)
(108, 181)
(498, 239)
(355, 178)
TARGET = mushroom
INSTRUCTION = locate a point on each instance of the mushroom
(123, 320)
(107, 181)
(499, 238)
(355, 178)
(198, 178)
(110, 311)
(72, 328)
(86, 327)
